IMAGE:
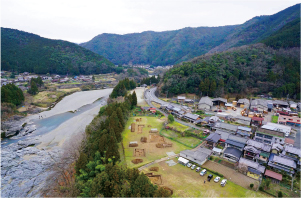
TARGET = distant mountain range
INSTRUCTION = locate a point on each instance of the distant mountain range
(172, 47)
(22, 51)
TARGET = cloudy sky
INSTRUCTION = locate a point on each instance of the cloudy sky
(80, 20)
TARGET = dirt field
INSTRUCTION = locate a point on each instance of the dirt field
(187, 183)
(156, 138)
(151, 151)
(231, 174)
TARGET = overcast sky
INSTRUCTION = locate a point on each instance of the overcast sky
(81, 20)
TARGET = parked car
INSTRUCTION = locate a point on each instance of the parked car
(203, 172)
(209, 177)
(198, 169)
(223, 183)
(189, 165)
(193, 167)
(217, 179)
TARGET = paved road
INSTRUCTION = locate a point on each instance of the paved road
(157, 161)
(150, 97)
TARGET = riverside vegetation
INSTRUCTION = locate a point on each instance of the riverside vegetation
(97, 169)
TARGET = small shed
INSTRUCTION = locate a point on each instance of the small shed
(183, 161)
(133, 127)
(274, 176)
(216, 151)
(155, 130)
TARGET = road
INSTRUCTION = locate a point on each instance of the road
(150, 97)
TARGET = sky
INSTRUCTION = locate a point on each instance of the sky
(79, 21)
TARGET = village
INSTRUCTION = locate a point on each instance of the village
(250, 145)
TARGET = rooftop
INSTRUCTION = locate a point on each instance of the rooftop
(244, 101)
(219, 99)
(283, 160)
(259, 145)
(294, 150)
(213, 137)
(273, 175)
(206, 100)
(252, 164)
(233, 151)
(191, 116)
(226, 126)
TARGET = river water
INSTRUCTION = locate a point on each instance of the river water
(46, 125)
(27, 161)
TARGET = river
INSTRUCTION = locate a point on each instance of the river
(26, 161)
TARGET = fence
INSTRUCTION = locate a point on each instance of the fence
(174, 139)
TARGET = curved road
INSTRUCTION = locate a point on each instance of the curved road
(150, 97)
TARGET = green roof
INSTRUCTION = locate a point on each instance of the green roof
(263, 154)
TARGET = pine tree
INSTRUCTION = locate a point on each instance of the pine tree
(120, 116)
(116, 126)
(134, 99)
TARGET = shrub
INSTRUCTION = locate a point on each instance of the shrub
(171, 119)
(261, 188)
(280, 194)
(251, 186)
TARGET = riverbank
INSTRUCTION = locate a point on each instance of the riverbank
(27, 163)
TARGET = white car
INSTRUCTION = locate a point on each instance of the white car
(189, 165)
(198, 169)
(217, 179)
(203, 172)
(223, 183)
(193, 167)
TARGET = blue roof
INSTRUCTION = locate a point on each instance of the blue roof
(238, 144)
(252, 170)
(233, 151)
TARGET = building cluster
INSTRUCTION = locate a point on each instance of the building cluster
(258, 148)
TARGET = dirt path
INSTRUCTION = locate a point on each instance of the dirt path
(232, 175)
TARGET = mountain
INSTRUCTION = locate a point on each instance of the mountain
(249, 69)
(172, 47)
(22, 51)
(288, 36)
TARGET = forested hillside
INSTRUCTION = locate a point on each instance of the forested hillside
(243, 70)
(22, 51)
(287, 36)
(171, 47)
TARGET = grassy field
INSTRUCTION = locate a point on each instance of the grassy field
(178, 126)
(191, 141)
(274, 119)
(275, 188)
(187, 183)
(151, 151)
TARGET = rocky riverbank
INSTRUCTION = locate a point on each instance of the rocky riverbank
(28, 163)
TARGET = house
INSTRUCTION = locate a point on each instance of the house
(25, 74)
(243, 103)
(254, 169)
(205, 103)
(204, 121)
(181, 99)
(259, 105)
(219, 101)
(275, 177)
(56, 77)
(153, 110)
(213, 139)
(189, 101)
(280, 104)
(145, 108)
(21, 79)
(213, 119)
(292, 153)
(277, 148)
(224, 135)
(282, 163)
(228, 106)
(292, 104)
(170, 108)
(256, 121)
(244, 131)
(144, 85)
(257, 151)
(236, 142)
(232, 154)
(270, 106)
(243, 120)
(289, 142)
(276, 129)
(289, 120)
(226, 127)
(199, 156)
(269, 136)
(191, 117)
(216, 151)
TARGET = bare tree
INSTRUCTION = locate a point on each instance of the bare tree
(242, 168)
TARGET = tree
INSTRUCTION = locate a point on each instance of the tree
(251, 186)
(171, 119)
(280, 194)
(134, 99)
(33, 90)
(212, 87)
(267, 183)
(93, 78)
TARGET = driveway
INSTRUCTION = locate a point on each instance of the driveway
(231, 174)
